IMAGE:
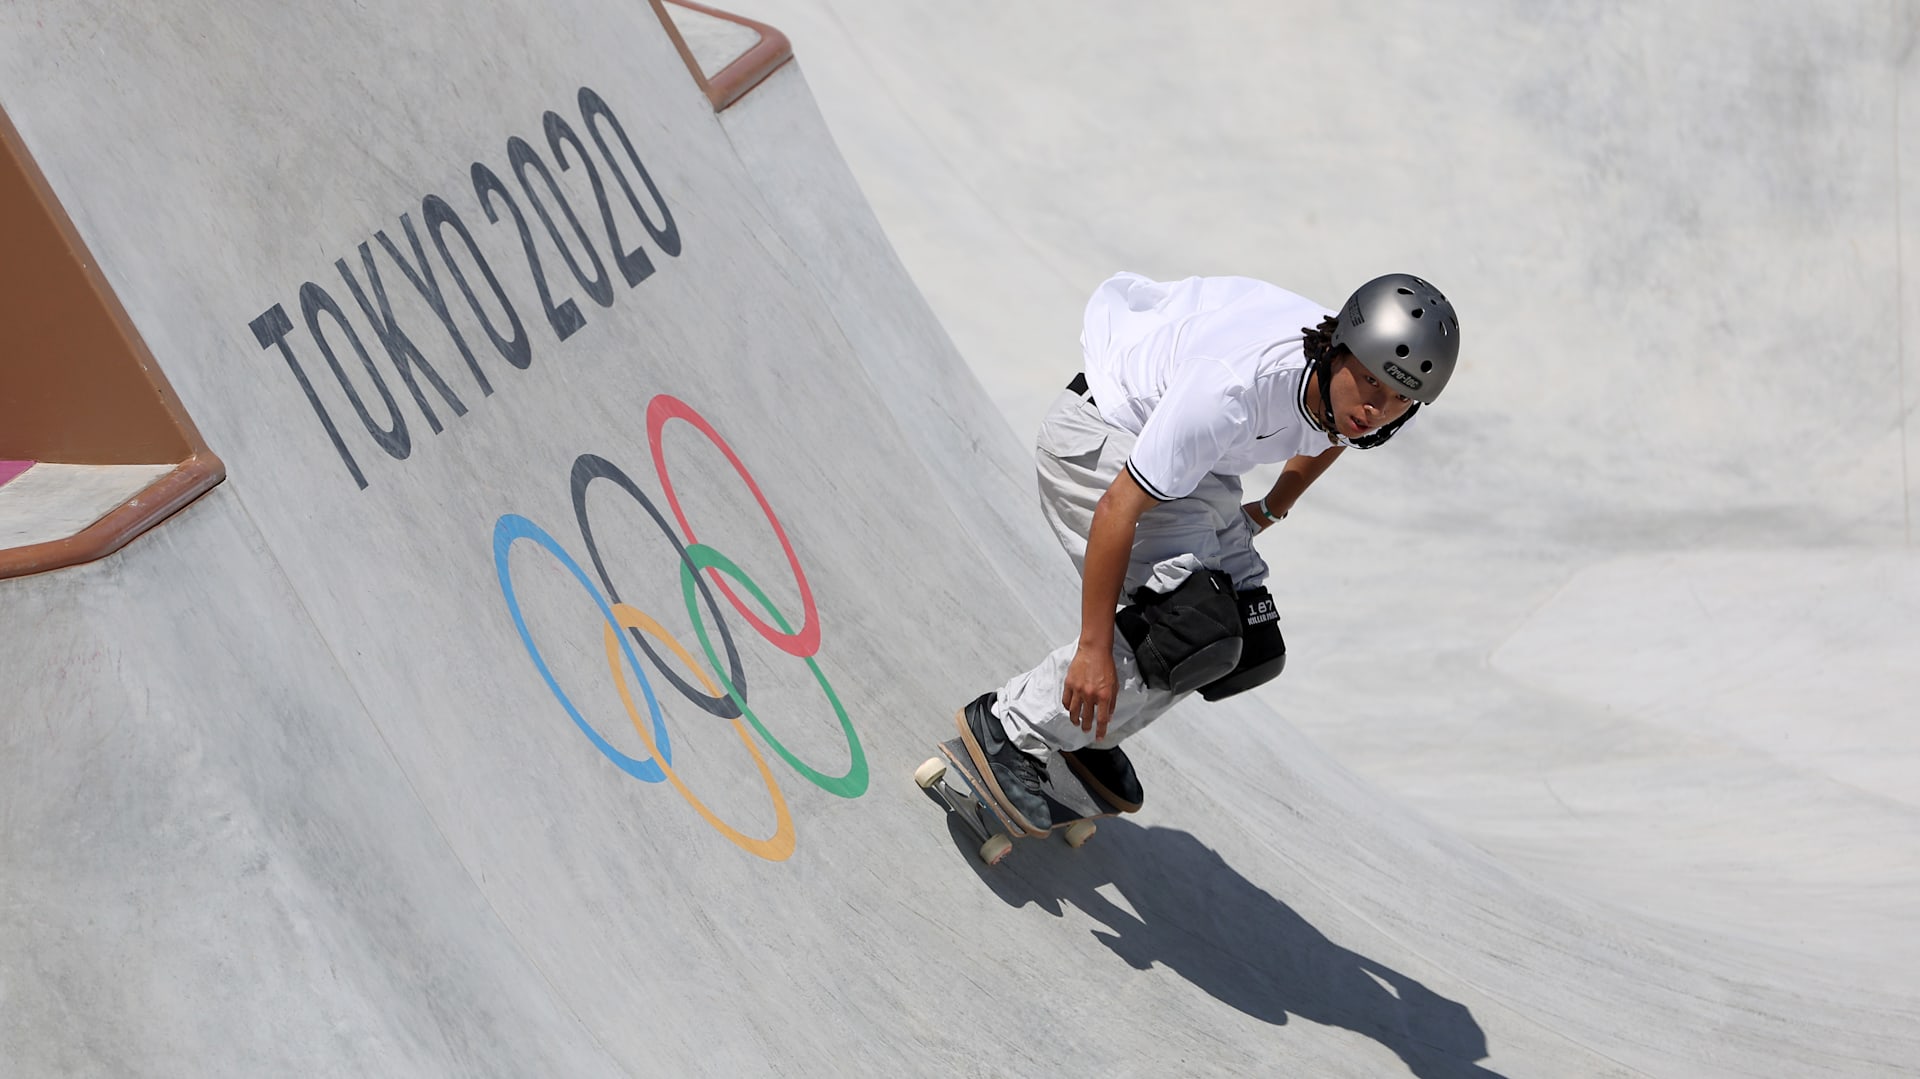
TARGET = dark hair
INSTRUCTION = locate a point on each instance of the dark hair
(1317, 342)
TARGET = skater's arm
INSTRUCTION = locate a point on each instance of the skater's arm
(1091, 688)
(1298, 474)
(1109, 548)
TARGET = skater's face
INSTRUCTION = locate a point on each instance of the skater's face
(1362, 404)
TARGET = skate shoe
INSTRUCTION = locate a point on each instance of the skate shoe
(1015, 778)
(1109, 774)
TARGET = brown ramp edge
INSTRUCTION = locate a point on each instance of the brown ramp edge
(80, 386)
(747, 71)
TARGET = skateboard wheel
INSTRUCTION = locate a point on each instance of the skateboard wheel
(995, 850)
(1079, 832)
(933, 771)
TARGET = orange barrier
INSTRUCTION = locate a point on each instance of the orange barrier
(81, 386)
(747, 71)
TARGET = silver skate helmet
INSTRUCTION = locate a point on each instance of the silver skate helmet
(1403, 331)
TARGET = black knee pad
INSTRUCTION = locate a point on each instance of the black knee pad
(1185, 638)
(1263, 653)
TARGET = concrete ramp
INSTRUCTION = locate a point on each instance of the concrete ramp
(609, 530)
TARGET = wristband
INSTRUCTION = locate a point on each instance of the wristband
(1269, 514)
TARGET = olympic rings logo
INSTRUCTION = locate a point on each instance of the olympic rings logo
(625, 627)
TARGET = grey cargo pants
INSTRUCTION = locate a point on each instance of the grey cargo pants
(1079, 455)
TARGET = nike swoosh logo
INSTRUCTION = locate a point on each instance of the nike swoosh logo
(1270, 434)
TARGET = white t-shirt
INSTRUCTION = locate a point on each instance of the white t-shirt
(1209, 372)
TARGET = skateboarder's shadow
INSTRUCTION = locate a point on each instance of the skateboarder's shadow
(1200, 918)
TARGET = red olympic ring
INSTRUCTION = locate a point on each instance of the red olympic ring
(803, 642)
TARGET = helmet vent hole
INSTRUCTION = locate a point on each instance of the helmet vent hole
(1418, 311)
(1426, 366)
(1402, 351)
(1404, 290)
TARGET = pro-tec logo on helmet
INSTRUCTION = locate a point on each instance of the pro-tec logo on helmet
(1401, 376)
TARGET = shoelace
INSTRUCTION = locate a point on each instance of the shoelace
(1033, 774)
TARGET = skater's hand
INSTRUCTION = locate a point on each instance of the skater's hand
(1092, 688)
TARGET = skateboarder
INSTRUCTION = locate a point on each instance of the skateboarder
(1188, 385)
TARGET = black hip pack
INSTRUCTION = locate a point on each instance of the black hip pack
(1185, 638)
(1263, 652)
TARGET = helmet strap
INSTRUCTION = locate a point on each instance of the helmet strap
(1379, 437)
(1325, 377)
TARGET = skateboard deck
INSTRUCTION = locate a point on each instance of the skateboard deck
(953, 776)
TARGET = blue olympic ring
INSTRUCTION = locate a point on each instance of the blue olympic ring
(511, 527)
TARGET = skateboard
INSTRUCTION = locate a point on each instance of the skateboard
(1075, 807)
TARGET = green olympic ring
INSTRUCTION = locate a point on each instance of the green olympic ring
(699, 556)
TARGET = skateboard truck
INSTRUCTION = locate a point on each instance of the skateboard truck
(1076, 807)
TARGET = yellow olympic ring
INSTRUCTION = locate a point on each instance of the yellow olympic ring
(776, 847)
